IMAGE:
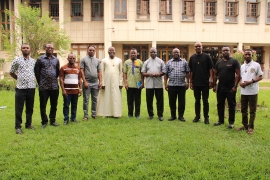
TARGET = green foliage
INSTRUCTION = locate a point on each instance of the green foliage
(8, 83)
(35, 30)
(107, 148)
(239, 55)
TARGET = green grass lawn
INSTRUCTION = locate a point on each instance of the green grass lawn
(134, 149)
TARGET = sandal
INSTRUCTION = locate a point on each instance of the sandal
(250, 131)
(85, 119)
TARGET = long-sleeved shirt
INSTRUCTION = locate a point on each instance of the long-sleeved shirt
(47, 72)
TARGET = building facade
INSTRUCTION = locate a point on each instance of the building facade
(164, 24)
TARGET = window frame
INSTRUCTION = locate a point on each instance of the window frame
(163, 7)
(185, 10)
(121, 12)
(249, 10)
(50, 9)
(236, 7)
(100, 13)
(268, 10)
(252, 14)
(143, 9)
(71, 12)
(36, 5)
(208, 14)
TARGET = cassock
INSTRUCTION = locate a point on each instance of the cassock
(110, 99)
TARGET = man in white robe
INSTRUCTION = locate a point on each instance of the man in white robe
(110, 96)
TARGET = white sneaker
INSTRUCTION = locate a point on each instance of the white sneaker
(231, 126)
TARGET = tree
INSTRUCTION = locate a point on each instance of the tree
(29, 27)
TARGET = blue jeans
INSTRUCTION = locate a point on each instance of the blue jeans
(73, 99)
(86, 94)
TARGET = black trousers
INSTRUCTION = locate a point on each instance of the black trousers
(43, 99)
(22, 96)
(201, 91)
(251, 101)
(158, 92)
(173, 93)
(221, 97)
(134, 97)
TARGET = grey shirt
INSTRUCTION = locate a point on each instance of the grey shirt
(153, 66)
(90, 66)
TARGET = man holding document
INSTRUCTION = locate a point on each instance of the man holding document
(152, 70)
(134, 83)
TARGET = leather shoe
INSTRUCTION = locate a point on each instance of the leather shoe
(172, 119)
(94, 117)
(160, 118)
(44, 125)
(19, 131)
(150, 117)
(206, 121)
(195, 120)
(182, 119)
(65, 122)
(75, 121)
(54, 124)
(30, 127)
(218, 123)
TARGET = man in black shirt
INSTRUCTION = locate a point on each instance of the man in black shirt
(201, 80)
(227, 70)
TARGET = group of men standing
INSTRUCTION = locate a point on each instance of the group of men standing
(103, 81)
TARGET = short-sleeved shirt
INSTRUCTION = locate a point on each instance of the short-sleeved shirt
(47, 72)
(153, 66)
(71, 76)
(199, 66)
(250, 71)
(133, 71)
(176, 71)
(226, 72)
(90, 66)
(25, 72)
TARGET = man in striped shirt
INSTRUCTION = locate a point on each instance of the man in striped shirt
(71, 84)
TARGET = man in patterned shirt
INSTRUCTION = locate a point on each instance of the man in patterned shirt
(134, 82)
(71, 84)
(47, 72)
(22, 69)
(177, 72)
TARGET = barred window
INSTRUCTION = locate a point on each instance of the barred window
(77, 10)
(188, 10)
(97, 9)
(143, 9)
(165, 9)
(54, 9)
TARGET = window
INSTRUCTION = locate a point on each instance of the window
(120, 9)
(165, 53)
(97, 10)
(268, 13)
(188, 10)
(253, 11)
(76, 10)
(36, 4)
(143, 9)
(5, 21)
(142, 50)
(210, 10)
(54, 9)
(165, 9)
(80, 50)
(231, 11)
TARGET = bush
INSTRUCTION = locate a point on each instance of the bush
(8, 84)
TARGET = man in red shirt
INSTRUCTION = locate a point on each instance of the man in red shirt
(71, 84)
